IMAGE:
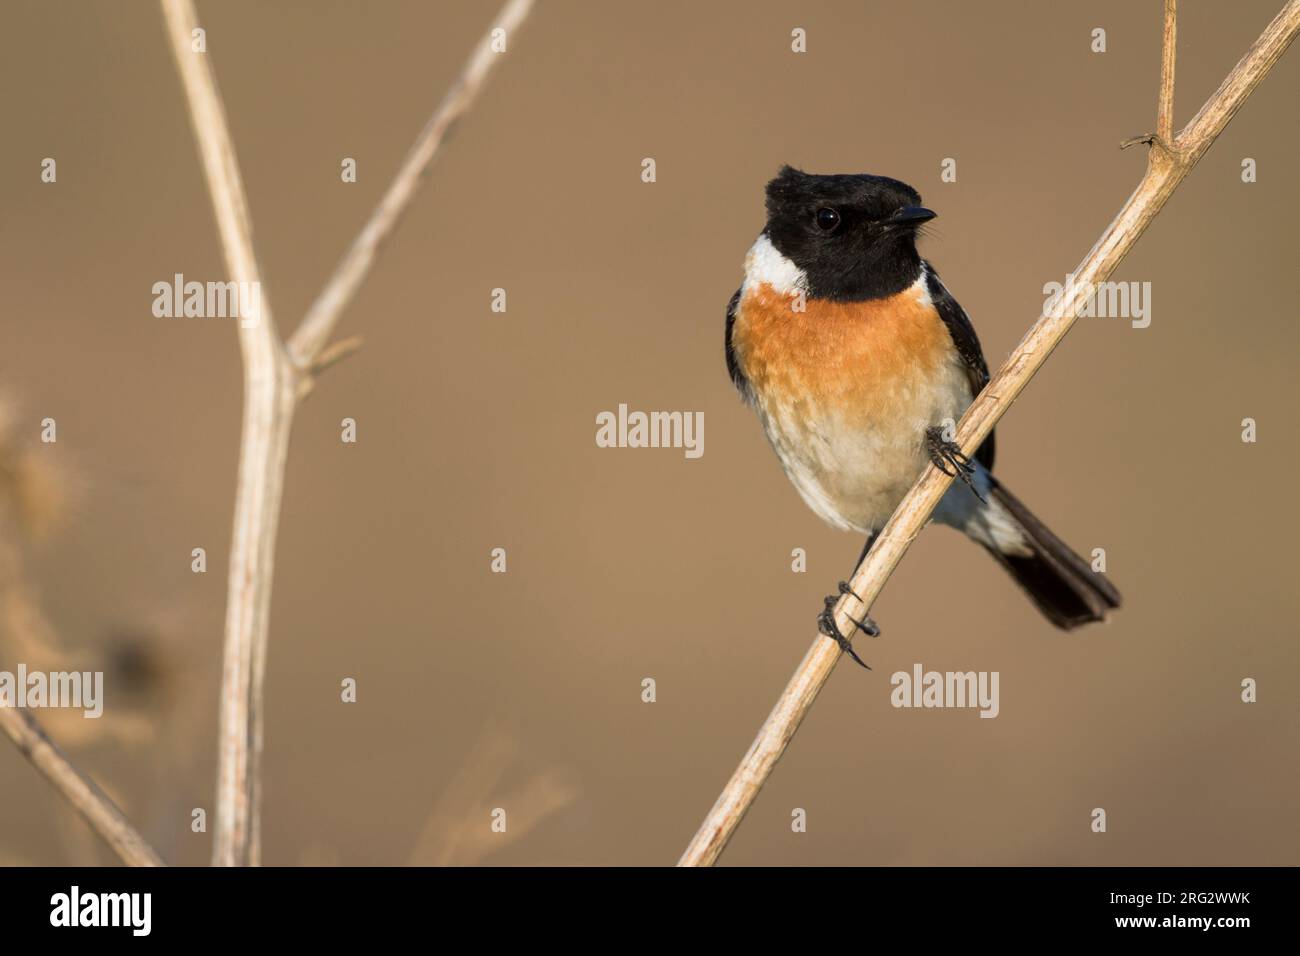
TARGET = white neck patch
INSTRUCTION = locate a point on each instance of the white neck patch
(922, 285)
(764, 265)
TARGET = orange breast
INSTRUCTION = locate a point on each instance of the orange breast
(867, 359)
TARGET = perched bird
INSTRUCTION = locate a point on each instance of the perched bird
(856, 359)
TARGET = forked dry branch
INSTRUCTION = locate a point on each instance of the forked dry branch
(275, 380)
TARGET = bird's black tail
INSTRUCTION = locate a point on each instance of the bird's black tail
(1061, 583)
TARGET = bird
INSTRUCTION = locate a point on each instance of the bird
(858, 362)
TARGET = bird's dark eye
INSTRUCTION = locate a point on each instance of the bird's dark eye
(827, 219)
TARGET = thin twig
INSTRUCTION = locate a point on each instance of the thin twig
(328, 357)
(1168, 42)
(94, 805)
(273, 384)
(1166, 168)
(351, 270)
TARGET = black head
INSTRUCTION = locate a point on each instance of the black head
(853, 236)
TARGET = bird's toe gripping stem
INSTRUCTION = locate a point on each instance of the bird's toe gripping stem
(827, 626)
(948, 457)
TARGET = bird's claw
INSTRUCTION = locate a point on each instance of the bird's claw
(948, 457)
(827, 626)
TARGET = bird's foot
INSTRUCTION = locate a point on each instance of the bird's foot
(948, 457)
(827, 626)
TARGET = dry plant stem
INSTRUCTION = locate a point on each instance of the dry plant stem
(1165, 105)
(1167, 165)
(86, 798)
(269, 400)
(352, 268)
(273, 384)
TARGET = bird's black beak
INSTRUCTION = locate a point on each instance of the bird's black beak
(911, 216)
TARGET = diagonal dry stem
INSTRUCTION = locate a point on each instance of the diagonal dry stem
(83, 793)
(351, 270)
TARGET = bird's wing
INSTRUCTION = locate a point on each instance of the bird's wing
(733, 367)
(968, 347)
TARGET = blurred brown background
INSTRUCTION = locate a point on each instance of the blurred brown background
(476, 431)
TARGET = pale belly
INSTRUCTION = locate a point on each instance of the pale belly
(853, 468)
